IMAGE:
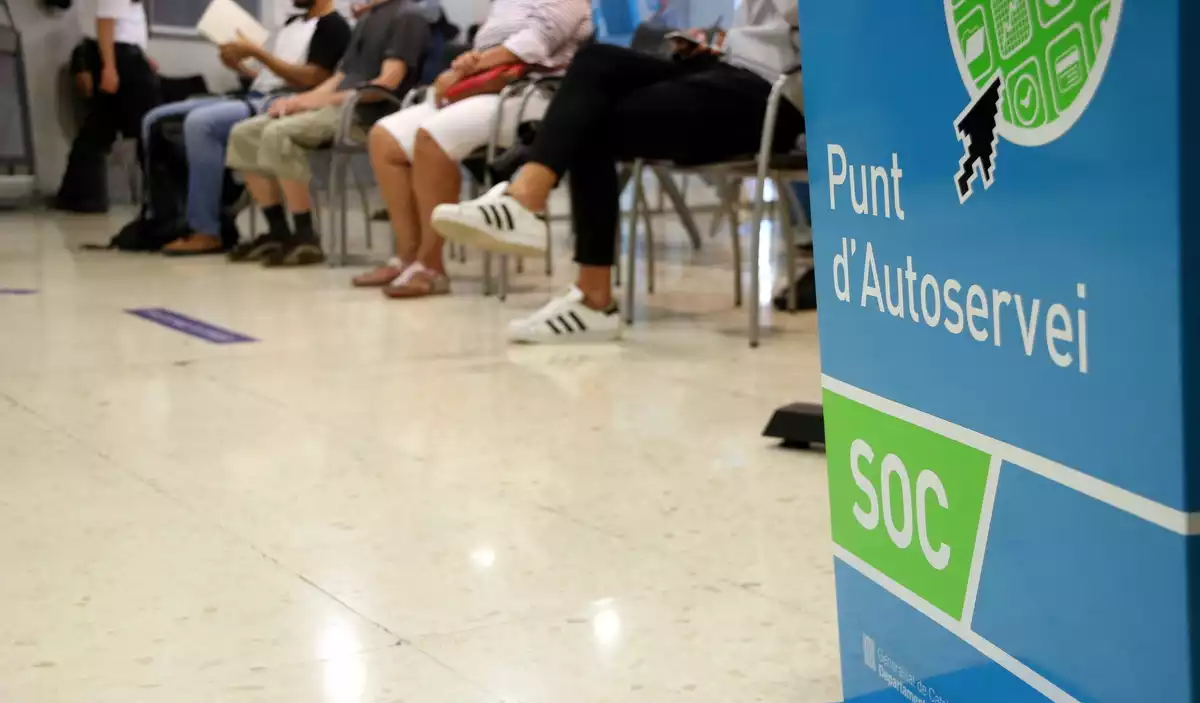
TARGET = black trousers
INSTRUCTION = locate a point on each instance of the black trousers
(86, 177)
(616, 105)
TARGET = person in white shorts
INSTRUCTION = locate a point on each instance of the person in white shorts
(416, 152)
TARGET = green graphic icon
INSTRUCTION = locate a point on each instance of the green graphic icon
(1051, 55)
(905, 500)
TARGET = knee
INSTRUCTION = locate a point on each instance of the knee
(385, 147)
(594, 59)
(426, 147)
(195, 127)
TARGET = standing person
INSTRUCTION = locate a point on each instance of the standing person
(386, 50)
(125, 88)
(416, 152)
(617, 105)
(301, 55)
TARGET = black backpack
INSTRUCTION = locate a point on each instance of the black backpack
(163, 216)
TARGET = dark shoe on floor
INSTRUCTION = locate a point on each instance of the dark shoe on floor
(78, 206)
(805, 287)
(380, 216)
(257, 249)
(297, 251)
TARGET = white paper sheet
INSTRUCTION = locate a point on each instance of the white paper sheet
(224, 19)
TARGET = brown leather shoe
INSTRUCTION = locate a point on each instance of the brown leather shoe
(380, 275)
(194, 245)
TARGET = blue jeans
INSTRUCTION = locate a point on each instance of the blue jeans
(206, 131)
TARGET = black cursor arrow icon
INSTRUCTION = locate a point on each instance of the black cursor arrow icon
(977, 131)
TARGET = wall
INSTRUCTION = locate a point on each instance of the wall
(49, 36)
(464, 13)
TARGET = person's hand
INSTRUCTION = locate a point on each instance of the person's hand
(153, 64)
(443, 83)
(359, 9)
(239, 49)
(281, 107)
(110, 80)
(304, 102)
(228, 58)
(466, 63)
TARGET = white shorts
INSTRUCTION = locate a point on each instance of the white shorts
(462, 127)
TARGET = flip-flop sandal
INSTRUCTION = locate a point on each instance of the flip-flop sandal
(380, 275)
(418, 282)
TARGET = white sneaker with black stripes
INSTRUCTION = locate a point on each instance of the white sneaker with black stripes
(566, 320)
(493, 222)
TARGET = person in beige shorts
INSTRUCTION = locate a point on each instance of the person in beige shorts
(271, 151)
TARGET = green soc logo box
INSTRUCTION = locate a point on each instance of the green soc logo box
(907, 501)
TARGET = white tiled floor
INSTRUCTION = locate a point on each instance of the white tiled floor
(379, 501)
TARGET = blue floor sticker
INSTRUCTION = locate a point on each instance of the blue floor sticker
(17, 291)
(190, 325)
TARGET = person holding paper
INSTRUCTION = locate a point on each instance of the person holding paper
(416, 152)
(123, 88)
(300, 55)
(387, 50)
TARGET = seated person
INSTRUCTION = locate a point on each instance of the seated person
(386, 49)
(416, 152)
(122, 87)
(431, 10)
(616, 105)
(302, 54)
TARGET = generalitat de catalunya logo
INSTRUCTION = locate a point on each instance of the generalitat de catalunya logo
(1031, 67)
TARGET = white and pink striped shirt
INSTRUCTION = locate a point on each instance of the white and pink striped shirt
(541, 32)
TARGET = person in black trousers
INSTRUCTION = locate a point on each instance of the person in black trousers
(616, 105)
(123, 89)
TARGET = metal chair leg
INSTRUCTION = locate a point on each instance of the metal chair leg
(631, 241)
(339, 175)
(344, 213)
(503, 292)
(650, 245)
(788, 196)
(549, 245)
(487, 273)
(732, 207)
(617, 253)
(679, 202)
(365, 201)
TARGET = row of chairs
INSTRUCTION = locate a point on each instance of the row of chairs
(346, 158)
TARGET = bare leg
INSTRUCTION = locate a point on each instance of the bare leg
(394, 174)
(532, 186)
(437, 181)
(596, 284)
(263, 189)
(297, 196)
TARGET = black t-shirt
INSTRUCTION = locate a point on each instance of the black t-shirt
(329, 41)
(392, 30)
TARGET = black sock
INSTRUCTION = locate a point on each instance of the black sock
(303, 223)
(277, 224)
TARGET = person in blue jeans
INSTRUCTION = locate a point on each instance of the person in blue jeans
(302, 54)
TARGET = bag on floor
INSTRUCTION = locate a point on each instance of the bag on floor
(163, 216)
